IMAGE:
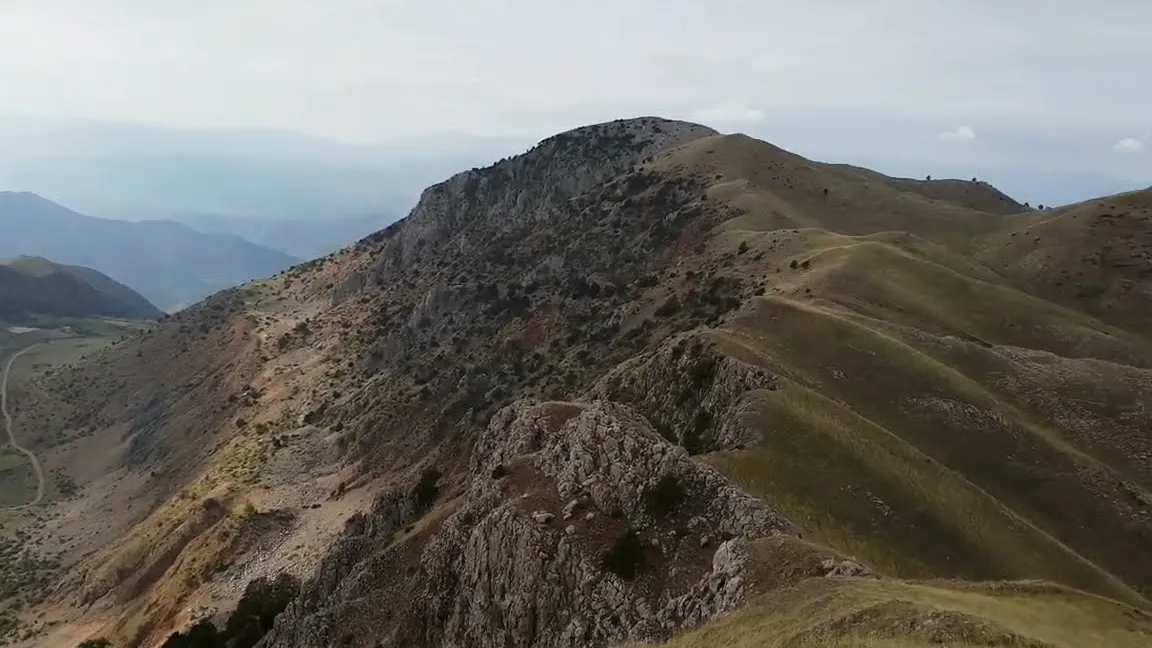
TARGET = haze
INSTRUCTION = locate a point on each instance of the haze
(1045, 98)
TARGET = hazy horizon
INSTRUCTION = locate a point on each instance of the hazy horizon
(371, 101)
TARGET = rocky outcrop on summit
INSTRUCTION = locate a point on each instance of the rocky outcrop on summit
(581, 526)
(523, 190)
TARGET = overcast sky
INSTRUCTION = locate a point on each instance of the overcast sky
(930, 74)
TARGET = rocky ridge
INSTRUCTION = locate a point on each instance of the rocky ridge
(554, 489)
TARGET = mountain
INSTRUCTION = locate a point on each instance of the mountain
(305, 239)
(170, 264)
(32, 286)
(644, 382)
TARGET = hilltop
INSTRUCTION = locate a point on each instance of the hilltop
(604, 391)
(170, 264)
(31, 286)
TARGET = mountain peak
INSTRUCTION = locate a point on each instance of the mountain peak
(644, 128)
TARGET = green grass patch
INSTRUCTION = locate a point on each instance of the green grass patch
(887, 452)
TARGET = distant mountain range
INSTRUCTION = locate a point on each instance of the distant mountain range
(302, 238)
(35, 286)
(138, 171)
(170, 264)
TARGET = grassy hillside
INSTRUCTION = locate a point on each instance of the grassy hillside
(1095, 256)
(891, 614)
(934, 417)
(31, 286)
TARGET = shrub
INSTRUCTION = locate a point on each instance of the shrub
(694, 437)
(262, 602)
(202, 635)
(95, 643)
(703, 372)
(665, 497)
(428, 487)
(626, 556)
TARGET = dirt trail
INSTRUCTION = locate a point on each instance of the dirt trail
(36, 467)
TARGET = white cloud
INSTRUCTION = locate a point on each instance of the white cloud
(1129, 145)
(729, 113)
(958, 134)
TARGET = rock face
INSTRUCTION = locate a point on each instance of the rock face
(525, 190)
(505, 570)
(690, 392)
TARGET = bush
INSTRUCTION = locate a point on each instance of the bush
(202, 635)
(427, 489)
(694, 437)
(95, 643)
(262, 602)
(665, 497)
(626, 556)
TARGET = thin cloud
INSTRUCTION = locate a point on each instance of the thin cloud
(1129, 145)
(958, 134)
(729, 113)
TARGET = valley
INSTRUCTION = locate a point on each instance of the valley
(25, 354)
(642, 383)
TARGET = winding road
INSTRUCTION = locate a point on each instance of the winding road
(36, 467)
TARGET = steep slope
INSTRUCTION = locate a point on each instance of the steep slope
(170, 264)
(601, 392)
(31, 286)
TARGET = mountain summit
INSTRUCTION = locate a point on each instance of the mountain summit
(644, 382)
